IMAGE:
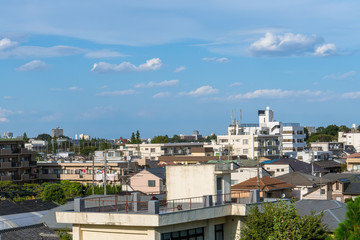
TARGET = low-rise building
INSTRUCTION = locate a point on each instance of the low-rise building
(149, 181)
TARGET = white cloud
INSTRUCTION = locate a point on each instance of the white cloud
(74, 89)
(287, 44)
(215, 59)
(275, 93)
(6, 43)
(52, 117)
(180, 69)
(98, 112)
(117, 93)
(104, 54)
(328, 49)
(201, 91)
(162, 95)
(166, 83)
(150, 65)
(351, 95)
(235, 84)
(4, 119)
(8, 97)
(340, 76)
(33, 65)
(11, 50)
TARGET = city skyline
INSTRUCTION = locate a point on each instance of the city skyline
(109, 69)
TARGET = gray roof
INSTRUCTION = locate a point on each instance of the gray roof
(353, 177)
(302, 179)
(8, 207)
(50, 219)
(353, 188)
(327, 164)
(36, 231)
(334, 211)
(296, 165)
(159, 172)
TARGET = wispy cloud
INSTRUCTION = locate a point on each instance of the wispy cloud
(8, 97)
(74, 89)
(162, 95)
(51, 117)
(116, 93)
(340, 76)
(10, 49)
(275, 93)
(216, 59)
(235, 84)
(34, 65)
(351, 95)
(5, 113)
(166, 83)
(4, 120)
(201, 91)
(150, 65)
(98, 112)
(180, 69)
(104, 54)
(290, 44)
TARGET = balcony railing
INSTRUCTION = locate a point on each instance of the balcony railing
(126, 204)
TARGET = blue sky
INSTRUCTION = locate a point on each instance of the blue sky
(108, 68)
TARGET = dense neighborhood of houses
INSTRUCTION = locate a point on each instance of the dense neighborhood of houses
(189, 189)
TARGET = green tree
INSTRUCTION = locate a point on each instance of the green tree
(25, 138)
(44, 136)
(281, 221)
(72, 189)
(160, 139)
(54, 192)
(87, 150)
(133, 139)
(138, 139)
(344, 128)
(349, 229)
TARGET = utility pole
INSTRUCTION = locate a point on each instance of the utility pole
(258, 174)
(105, 169)
(93, 172)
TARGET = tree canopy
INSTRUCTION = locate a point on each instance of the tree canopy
(281, 221)
(349, 229)
(54, 192)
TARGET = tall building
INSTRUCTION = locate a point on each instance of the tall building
(8, 135)
(17, 164)
(267, 138)
(57, 132)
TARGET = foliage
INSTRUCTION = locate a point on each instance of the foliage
(25, 138)
(63, 234)
(349, 229)
(328, 134)
(160, 139)
(87, 150)
(344, 128)
(72, 189)
(343, 167)
(110, 189)
(321, 138)
(44, 136)
(135, 139)
(281, 220)
(54, 192)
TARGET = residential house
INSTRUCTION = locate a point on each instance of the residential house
(35, 231)
(245, 170)
(269, 187)
(281, 166)
(303, 182)
(331, 166)
(149, 181)
(353, 162)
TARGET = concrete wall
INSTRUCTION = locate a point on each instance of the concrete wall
(242, 174)
(190, 181)
(277, 169)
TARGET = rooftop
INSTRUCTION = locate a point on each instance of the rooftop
(266, 184)
(302, 179)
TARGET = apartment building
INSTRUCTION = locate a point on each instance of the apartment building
(36, 145)
(198, 206)
(17, 163)
(351, 138)
(57, 132)
(267, 138)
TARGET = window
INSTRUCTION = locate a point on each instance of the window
(219, 232)
(278, 170)
(245, 151)
(151, 183)
(152, 150)
(193, 234)
(322, 191)
(337, 186)
(282, 169)
(233, 182)
(245, 142)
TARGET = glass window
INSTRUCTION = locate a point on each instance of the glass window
(151, 183)
(245, 151)
(245, 142)
(219, 232)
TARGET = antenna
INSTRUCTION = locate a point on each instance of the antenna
(235, 117)
(231, 122)
(240, 115)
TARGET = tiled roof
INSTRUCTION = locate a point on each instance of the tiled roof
(8, 207)
(354, 155)
(159, 172)
(296, 165)
(33, 232)
(266, 184)
(302, 179)
(352, 177)
(327, 164)
(353, 188)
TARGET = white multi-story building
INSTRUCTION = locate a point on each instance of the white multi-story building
(267, 138)
(351, 138)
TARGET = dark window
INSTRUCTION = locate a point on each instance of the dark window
(219, 232)
(322, 191)
(151, 183)
(190, 234)
(337, 186)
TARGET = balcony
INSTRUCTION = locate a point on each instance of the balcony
(26, 151)
(25, 177)
(24, 164)
(6, 178)
(6, 151)
(5, 165)
(49, 176)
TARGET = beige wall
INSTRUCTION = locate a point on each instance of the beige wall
(139, 182)
(278, 169)
(190, 181)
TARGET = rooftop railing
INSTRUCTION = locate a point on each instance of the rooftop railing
(131, 204)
